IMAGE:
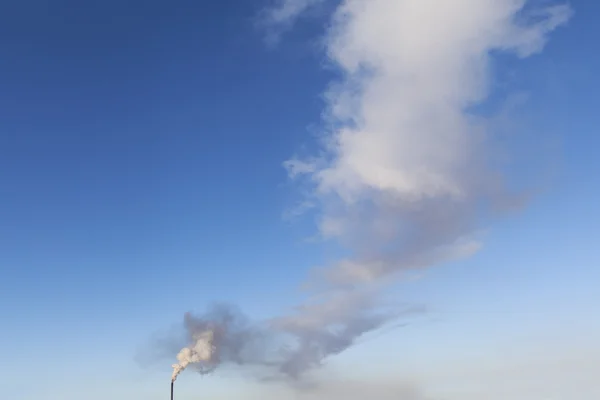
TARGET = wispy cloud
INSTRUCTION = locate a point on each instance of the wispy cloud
(281, 17)
(285, 12)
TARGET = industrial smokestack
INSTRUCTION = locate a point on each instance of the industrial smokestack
(172, 382)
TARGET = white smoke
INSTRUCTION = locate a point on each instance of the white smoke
(403, 179)
(200, 351)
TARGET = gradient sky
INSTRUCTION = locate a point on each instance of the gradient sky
(141, 151)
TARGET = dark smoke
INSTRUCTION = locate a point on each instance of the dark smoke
(277, 349)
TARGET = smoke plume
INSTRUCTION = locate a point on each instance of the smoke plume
(277, 349)
(222, 335)
(200, 353)
(402, 180)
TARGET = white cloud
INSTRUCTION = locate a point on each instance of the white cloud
(405, 175)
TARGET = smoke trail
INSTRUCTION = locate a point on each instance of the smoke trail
(402, 180)
(270, 350)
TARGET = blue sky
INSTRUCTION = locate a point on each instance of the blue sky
(141, 176)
